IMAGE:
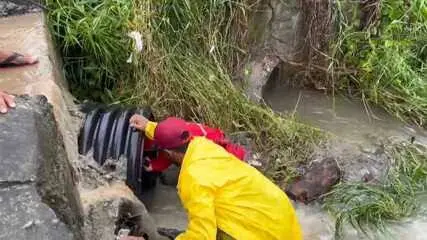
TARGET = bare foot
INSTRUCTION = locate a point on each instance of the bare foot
(9, 59)
(6, 101)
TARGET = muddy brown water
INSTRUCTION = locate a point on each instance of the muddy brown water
(348, 119)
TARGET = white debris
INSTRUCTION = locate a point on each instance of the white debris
(31, 223)
(130, 58)
(212, 49)
(255, 163)
(139, 44)
(137, 37)
(122, 232)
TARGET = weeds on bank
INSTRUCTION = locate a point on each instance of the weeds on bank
(385, 42)
(91, 36)
(370, 206)
(190, 56)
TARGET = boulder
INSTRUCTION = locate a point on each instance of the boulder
(23, 215)
(318, 180)
(111, 208)
(37, 185)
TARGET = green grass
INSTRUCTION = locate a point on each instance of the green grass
(370, 207)
(191, 50)
(91, 35)
(389, 56)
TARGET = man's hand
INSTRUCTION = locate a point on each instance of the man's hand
(138, 121)
(6, 101)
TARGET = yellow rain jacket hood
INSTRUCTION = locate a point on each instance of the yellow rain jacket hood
(221, 192)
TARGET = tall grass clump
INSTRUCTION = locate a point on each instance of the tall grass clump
(384, 44)
(186, 69)
(91, 36)
(368, 207)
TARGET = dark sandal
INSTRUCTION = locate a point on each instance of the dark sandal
(10, 61)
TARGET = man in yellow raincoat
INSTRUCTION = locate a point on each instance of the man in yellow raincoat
(225, 198)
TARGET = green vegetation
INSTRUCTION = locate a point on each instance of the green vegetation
(191, 49)
(92, 38)
(370, 206)
(384, 45)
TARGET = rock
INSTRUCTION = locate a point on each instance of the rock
(16, 7)
(23, 215)
(109, 209)
(36, 179)
(318, 180)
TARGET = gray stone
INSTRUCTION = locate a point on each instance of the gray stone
(106, 216)
(17, 7)
(23, 215)
(318, 180)
(33, 156)
(18, 145)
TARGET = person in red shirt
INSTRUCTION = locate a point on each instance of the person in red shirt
(161, 162)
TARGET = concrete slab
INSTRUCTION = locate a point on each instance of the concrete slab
(36, 178)
(18, 145)
(24, 216)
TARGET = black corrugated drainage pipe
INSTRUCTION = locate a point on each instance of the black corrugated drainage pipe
(107, 133)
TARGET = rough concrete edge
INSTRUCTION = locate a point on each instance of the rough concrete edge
(69, 210)
(55, 176)
(70, 137)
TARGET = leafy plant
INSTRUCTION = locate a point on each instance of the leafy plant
(389, 53)
(92, 36)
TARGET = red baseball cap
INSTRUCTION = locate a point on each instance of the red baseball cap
(171, 133)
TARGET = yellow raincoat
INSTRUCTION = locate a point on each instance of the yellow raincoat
(221, 192)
